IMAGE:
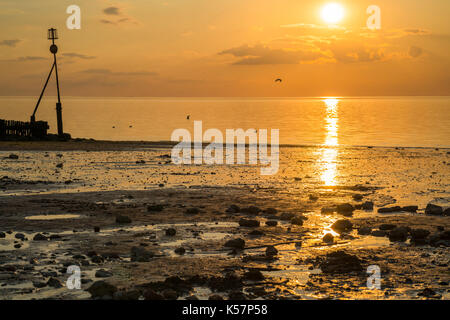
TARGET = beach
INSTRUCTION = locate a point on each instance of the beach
(140, 227)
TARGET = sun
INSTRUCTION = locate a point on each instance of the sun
(332, 13)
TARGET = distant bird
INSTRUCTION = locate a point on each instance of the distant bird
(130, 126)
(188, 117)
(278, 80)
(114, 127)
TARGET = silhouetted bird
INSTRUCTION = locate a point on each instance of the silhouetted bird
(278, 80)
(188, 117)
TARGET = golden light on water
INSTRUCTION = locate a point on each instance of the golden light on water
(329, 155)
(331, 122)
(329, 172)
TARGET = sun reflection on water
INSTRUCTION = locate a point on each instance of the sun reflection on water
(329, 154)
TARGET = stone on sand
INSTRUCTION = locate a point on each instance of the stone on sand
(341, 226)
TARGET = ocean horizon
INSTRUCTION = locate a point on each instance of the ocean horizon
(390, 121)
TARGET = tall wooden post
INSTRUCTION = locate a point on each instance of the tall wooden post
(52, 35)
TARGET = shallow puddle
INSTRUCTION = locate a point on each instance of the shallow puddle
(53, 217)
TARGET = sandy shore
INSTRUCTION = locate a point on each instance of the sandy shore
(115, 218)
(81, 145)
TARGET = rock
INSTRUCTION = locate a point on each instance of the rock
(432, 209)
(96, 229)
(18, 246)
(328, 210)
(103, 274)
(346, 209)
(445, 235)
(368, 205)
(192, 211)
(341, 262)
(411, 209)
(428, 293)
(97, 259)
(298, 221)
(342, 226)
(13, 156)
(91, 253)
(170, 294)
(60, 165)
(328, 238)
(286, 216)
(19, 236)
(155, 208)
(180, 250)
(254, 275)
(171, 232)
(271, 211)
(192, 298)
(127, 295)
(419, 234)
(39, 284)
(271, 223)
(123, 219)
(101, 288)
(233, 209)
(387, 226)
(256, 233)
(53, 282)
(55, 237)
(251, 210)
(389, 209)
(215, 297)
(235, 243)
(39, 237)
(2, 235)
(237, 296)
(139, 254)
(446, 212)
(399, 234)
(378, 233)
(313, 197)
(365, 231)
(152, 295)
(248, 223)
(271, 251)
(357, 197)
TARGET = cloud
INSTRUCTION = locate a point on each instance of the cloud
(10, 43)
(261, 55)
(120, 16)
(115, 11)
(114, 73)
(77, 55)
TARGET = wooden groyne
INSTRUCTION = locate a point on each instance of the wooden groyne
(13, 129)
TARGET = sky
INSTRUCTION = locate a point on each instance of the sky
(226, 48)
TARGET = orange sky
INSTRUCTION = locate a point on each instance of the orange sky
(227, 48)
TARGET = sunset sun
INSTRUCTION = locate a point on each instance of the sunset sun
(332, 13)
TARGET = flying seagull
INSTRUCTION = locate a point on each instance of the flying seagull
(188, 117)
(278, 80)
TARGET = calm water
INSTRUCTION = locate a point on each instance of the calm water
(390, 121)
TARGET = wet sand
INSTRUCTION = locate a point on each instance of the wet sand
(93, 209)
